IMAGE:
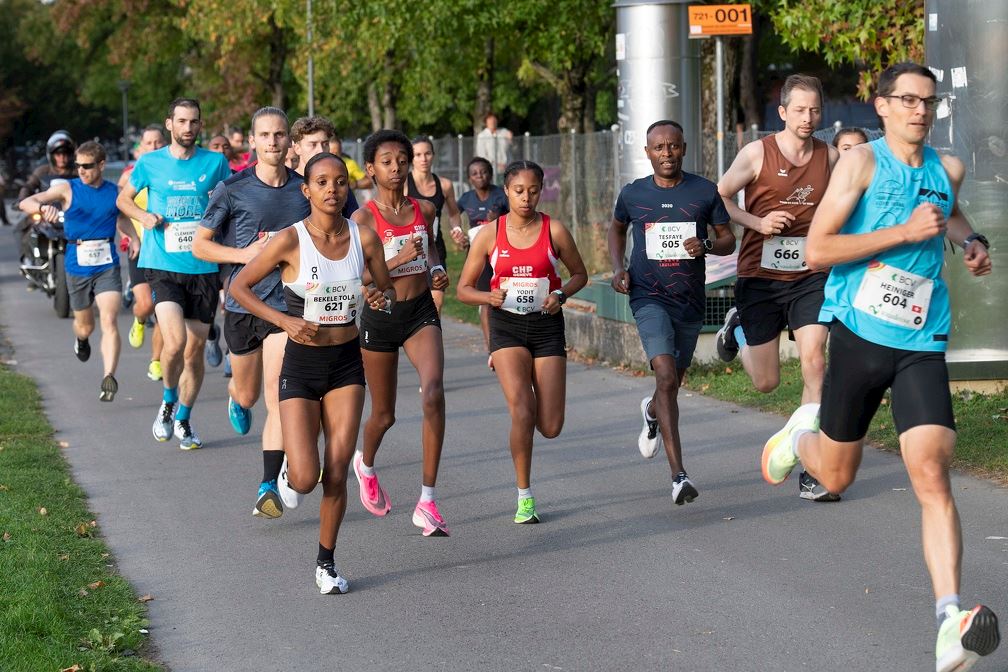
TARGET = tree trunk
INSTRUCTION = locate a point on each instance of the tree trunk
(278, 61)
(708, 104)
(374, 107)
(484, 88)
(752, 110)
(390, 93)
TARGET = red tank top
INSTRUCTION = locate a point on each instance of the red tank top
(394, 237)
(538, 261)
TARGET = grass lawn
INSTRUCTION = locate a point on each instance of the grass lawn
(62, 606)
(453, 307)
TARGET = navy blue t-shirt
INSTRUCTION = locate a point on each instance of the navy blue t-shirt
(655, 275)
(477, 210)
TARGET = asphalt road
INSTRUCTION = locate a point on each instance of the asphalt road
(617, 577)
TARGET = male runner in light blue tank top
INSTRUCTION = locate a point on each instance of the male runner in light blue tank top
(882, 226)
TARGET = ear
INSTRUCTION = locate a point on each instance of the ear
(782, 112)
(881, 104)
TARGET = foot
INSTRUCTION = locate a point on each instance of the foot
(136, 333)
(778, 458)
(372, 495)
(650, 439)
(288, 495)
(241, 418)
(109, 387)
(188, 439)
(727, 346)
(964, 636)
(163, 422)
(154, 370)
(427, 517)
(810, 489)
(268, 505)
(526, 513)
(82, 349)
(683, 490)
(213, 353)
(329, 581)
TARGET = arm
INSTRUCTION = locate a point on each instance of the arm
(58, 194)
(126, 206)
(724, 243)
(975, 256)
(477, 258)
(439, 278)
(217, 214)
(743, 170)
(569, 254)
(451, 204)
(126, 230)
(617, 252)
(124, 178)
(382, 291)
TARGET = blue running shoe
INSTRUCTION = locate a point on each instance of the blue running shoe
(241, 418)
(212, 351)
(268, 505)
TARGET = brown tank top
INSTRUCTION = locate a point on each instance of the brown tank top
(781, 185)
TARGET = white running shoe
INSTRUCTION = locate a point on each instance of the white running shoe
(162, 427)
(683, 490)
(187, 436)
(649, 441)
(288, 495)
(329, 581)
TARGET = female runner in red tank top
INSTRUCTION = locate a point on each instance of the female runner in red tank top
(404, 227)
(526, 321)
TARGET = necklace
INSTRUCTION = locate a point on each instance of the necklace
(522, 229)
(324, 233)
(393, 208)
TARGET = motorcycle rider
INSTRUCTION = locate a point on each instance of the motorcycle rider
(59, 164)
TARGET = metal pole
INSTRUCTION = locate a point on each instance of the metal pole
(527, 146)
(614, 133)
(311, 64)
(719, 64)
(574, 194)
(461, 167)
(124, 87)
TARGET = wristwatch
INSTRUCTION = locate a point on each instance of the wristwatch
(437, 268)
(561, 296)
(708, 244)
(976, 236)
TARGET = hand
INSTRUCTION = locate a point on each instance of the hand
(496, 298)
(977, 260)
(149, 220)
(621, 282)
(376, 298)
(439, 281)
(775, 222)
(411, 250)
(49, 213)
(926, 221)
(552, 304)
(300, 331)
(694, 247)
(134, 248)
(459, 236)
(253, 250)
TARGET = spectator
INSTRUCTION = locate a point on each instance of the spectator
(494, 143)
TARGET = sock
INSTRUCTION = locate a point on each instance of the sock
(942, 603)
(524, 493)
(183, 412)
(325, 555)
(170, 395)
(366, 470)
(272, 461)
(426, 493)
(739, 337)
(796, 439)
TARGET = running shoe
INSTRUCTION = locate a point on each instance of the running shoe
(154, 370)
(127, 296)
(136, 333)
(241, 418)
(329, 581)
(372, 495)
(109, 387)
(227, 365)
(650, 439)
(268, 505)
(82, 349)
(964, 636)
(810, 489)
(188, 439)
(683, 490)
(727, 346)
(212, 350)
(427, 517)
(163, 422)
(526, 513)
(288, 495)
(778, 458)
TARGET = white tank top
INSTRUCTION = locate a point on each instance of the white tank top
(327, 291)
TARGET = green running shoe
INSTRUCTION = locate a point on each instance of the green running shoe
(526, 513)
(136, 334)
(964, 636)
(778, 458)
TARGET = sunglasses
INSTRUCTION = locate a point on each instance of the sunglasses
(86, 166)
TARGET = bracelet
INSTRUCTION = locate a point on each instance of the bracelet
(437, 268)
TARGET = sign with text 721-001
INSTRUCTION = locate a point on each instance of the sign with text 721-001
(707, 20)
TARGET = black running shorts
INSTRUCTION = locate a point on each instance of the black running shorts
(542, 335)
(766, 307)
(245, 332)
(312, 371)
(386, 332)
(197, 294)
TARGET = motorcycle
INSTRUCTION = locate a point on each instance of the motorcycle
(43, 253)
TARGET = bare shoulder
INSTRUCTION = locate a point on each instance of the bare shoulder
(834, 155)
(364, 217)
(446, 184)
(368, 236)
(955, 168)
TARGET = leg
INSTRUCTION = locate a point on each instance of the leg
(157, 343)
(549, 380)
(272, 360)
(438, 297)
(83, 323)
(665, 407)
(143, 302)
(341, 417)
(426, 351)
(108, 310)
(173, 332)
(833, 463)
(762, 363)
(484, 313)
(381, 372)
(191, 378)
(514, 371)
(299, 419)
(247, 377)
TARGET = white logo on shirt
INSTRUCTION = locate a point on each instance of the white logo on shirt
(781, 172)
(505, 254)
(202, 178)
(800, 196)
(668, 205)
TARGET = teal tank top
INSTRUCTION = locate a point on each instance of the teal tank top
(897, 298)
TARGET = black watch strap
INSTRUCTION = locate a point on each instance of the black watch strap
(561, 296)
(976, 236)
(708, 244)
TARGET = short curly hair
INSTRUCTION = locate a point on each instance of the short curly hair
(379, 138)
(309, 125)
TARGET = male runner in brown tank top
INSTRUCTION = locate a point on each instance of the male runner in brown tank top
(784, 177)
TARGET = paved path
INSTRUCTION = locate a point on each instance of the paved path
(616, 578)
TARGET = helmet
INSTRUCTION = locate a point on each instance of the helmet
(59, 140)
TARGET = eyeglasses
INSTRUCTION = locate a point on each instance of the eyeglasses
(911, 102)
(86, 166)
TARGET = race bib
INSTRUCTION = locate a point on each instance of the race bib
(179, 236)
(895, 296)
(782, 253)
(418, 265)
(94, 252)
(524, 295)
(664, 240)
(332, 303)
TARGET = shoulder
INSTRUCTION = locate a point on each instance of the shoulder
(446, 184)
(364, 216)
(426, 207)
(954, 166)
(367, 235)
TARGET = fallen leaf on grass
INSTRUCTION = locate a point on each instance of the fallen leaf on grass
(145, 598)
(72, 668)
(3, 488)
(43, 511)
(727, 369)
(104, 555)
(82, 592)
(704, 387)
(6, 536)
(96, 585)
(63, 557)
(82, 530)
(64, 444)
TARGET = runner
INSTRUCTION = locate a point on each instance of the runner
(404, 227)
(311, 136)
(485, 202)
(151, 139)
(670, 215)
(322, 260)
(526, 317)
(848, 138)
(882, 228)
(179, 179)
(92, 263)
(358, 178)
(423, 184)
(244, 213)
(784, 176)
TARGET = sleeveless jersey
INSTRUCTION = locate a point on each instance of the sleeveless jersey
(326, 292)
(90, 228)
(897, 298)
(781, 185)
(438, 199)
(528, 274)
(394, 237)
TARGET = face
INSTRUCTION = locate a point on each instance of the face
(336, 147)
(479, 175)
(908, 124)
(237, 140)
(328, 186)
(491, 122)
(802, 114)
(848, 141)
(220, 144)
(184, 125)
(312, 144)
(270, 140)
(88, 169)
(390, 165)
(523, 192)
(665, 150)
(423, 156)
(292, 158)
(62, 159)
(150, 141)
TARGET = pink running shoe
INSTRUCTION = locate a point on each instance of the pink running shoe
(372, 495)
(427, 517)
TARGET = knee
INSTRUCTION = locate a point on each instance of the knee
(142, 307)
(334, 480)
(836, 482)
(382, 420)
(766, 383)
(433, 398)
(550, 428)
(303, 482)
(523, 416)
(244, 398)
(931, 481)
(813, 362)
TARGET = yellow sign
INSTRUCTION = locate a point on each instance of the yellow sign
(707, 20)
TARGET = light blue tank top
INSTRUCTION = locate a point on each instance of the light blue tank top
(91, 219)
(897, 298)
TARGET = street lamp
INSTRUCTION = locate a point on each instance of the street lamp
(311, 64)
(124, 86)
